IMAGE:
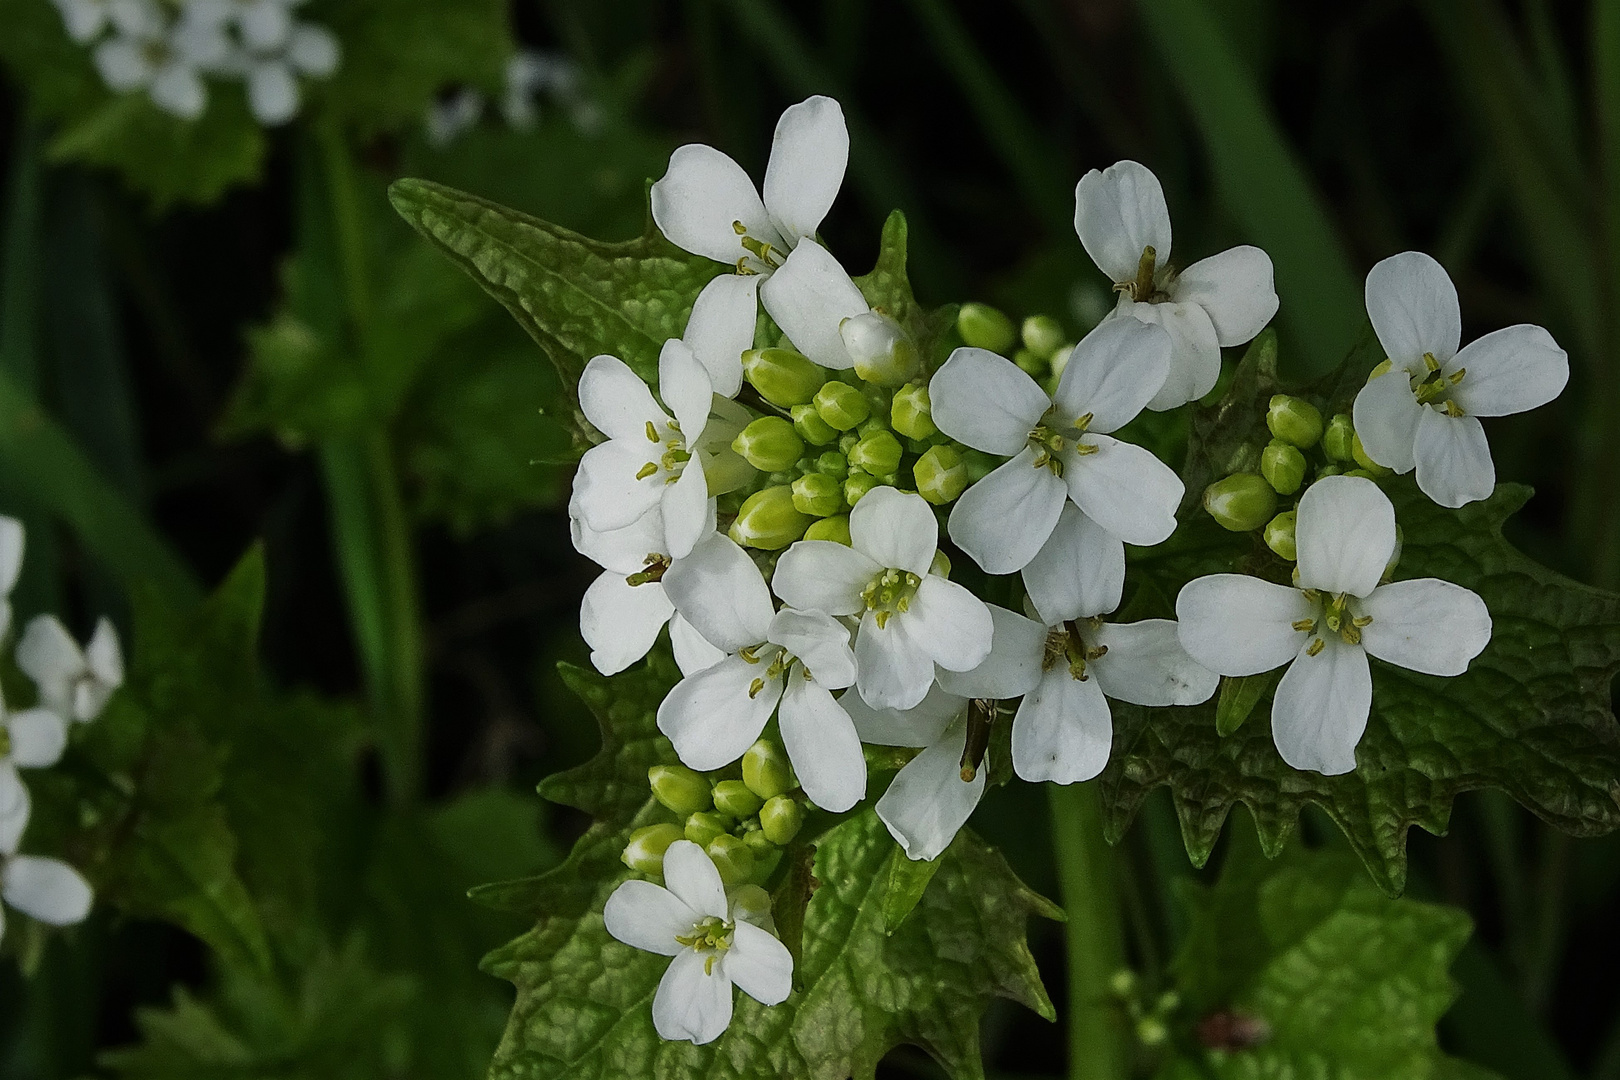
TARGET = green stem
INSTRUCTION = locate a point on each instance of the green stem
(1086, 873)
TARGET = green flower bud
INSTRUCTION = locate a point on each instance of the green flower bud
(832, 463)
(1363, 473)
(818, 495)
(1042, 335)
(911, 413)
(1152, 1032)
(941, 474)
(1395, 556)
(768, 520)
(835, 528)
(1283, 466)
(1359, 452)
(705, 825)
(1294, 421)
(1060, 360)
(1241, 502)
(645, 852)
(766, 770)
(847, 441)
(1280, 535)
(883, 353)
(841, 405)
(857, 485)
(1339, 439)
(983, 327)
(780, 819)
(1123, 983)
(811, 427)
(1328, 470)
(877, 453)
(733, 858)
(782, 376)
(769, 444)
(879, 421)
(979, 464)
(679, 788)
(767, 857)
(734, 797)
(941, 565)
(1031, 363)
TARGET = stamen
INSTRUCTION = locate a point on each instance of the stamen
(1361, 621)
(1142, 288)
(1083, 422)
(1305, 626)
(652, 432)
(1430, 362)
(647, 470)
(981, 711)
(1084, 448)
(754, 688)
(1451, 408)
(749, 653)
(1316, 647)
(656, 565)
(1457, 376)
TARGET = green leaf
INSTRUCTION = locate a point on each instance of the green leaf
(1238, 698)
(888, 289)
(906, 881)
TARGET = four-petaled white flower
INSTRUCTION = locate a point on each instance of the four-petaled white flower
(164, 57)
(793, 657)
(1060, 444)
(1325, 628)
(1422, 410)
(74, 683)
(45, 889)
(31, 739)
(12, 543)
(1226, 299)
(911, 617)
(714, 941)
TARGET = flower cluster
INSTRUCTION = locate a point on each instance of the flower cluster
(779, 505)
(529, 74)
(74, 685)
(170, 49)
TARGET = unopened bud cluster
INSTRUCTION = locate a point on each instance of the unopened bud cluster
(1150, 1015)
(1039, 346)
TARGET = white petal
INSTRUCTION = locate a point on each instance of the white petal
(1146, 665)
(950, 623)
(11, 553)
(683, 383)
(928, 802)
(819, 641)
(1002, 521)
(922, 725)
(1321, 708)
(48, 655)
(693, 651)
(690, 875)
(893, 670)
(1235, 288)
(47, 889)
(710, 716)
(721, 327)
(1425, 625)
(1413, 307)
(895, 529)
(141, 20)
(123, 64)
(687, 511)
(616, 401)
(1080, 572)
(265, 25)
(1386, 415)
(1017, 647)
(986, 401)
(808, 157)
(14, 819)
(700, 196)
(1512, 370)
(607, 490)
(620, 621)
(272, 93)
(809, 296)
(1454, 466)
(720, 591)
(1195, 351)
(692, 1003)
(1113, 373)
(1125, 489)
(822, 744)
(649, 917)
(760, 965)
(12, 790)
(751, 904)
(178, 90)
(1345, 534)
(85, 19)
(1234, 624)
(824, 575)
(1117, 213)
(314, 50)
(622, 550)
(38, 737)
(1063, 730)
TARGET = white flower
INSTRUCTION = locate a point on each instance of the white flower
(73, 683)
(1422, 410)
(165, 58)
(1061, 445)
(86, 19)
(911, 618)
(31, 739)
(715, 944)
(12, 543)
(793, 657)
(309, 51)
(1226, 299)
(46, 889)
(451, 118)
(1324, 628)
(721, 327)
(810, 297)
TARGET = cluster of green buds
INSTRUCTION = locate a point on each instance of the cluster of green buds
(1149, 1019)
(1039, 346)
(743, 823)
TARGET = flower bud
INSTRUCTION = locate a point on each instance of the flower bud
(1339, 439)
(811, 427)
(1152, 1032)
(941, 474)
(1283, 466)
(883, 353)
(911, 413)
(679, 788)
(940, 567)
(767, 856)
(1359, 452)
(766, 770)
(818, 495)
(645, 852)
(878, 421)
(1060, 360)
(752, 903)
(841, 405)
(847, 441)
(857, 485)
(1328, 470)
(979, 464)
(705, 825)
(733, 858)
(983, 327)
(769, 444)
(1124, 983)
(734, 797)
(1280, 535)
(1030, 364)
(768, 520)
(1042, 335)
(835, 528)
(1294, 421)
(832, 463)
(782, 376)
(1241, 502)
(877, 453)
(780, 818)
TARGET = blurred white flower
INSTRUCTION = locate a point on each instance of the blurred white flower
(74, 683)
(45, 889)
(12, 545)
(31, 739)
(165, 57)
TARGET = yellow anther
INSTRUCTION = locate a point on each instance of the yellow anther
(739, 228)
(649, 469)
(1305, 626)
(1316, 647)
(1361, 621)
(652, 432)
(1451, 408)
(1085, 448)
(883, 619)
(1457, 376)
(1083, 422)
(1430, 362)
(754, 688)
(749, 653)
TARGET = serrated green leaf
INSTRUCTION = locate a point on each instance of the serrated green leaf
(906, 881)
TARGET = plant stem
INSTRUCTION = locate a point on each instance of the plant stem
(1086, 873)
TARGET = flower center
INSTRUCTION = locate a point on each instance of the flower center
(890, 592)
(1053, 435)
(776, 665)
(1066, 644)
(1151, 284)
(711, 936)
(672, 462)
(762, 250)
(1337, 617)
(656, 565)
(1431, 386)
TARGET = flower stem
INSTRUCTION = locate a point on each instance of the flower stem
(1086, 873)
